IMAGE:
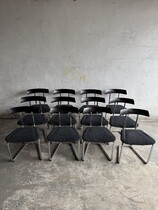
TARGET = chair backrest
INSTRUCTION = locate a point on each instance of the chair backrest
(61, 99)
(96, 110)
(124, 101)
(36, 99)
(136, 112)
(64, 91)
(37, 90)
(64, 110)
(91, 91)
(115, 91)
(25, 109)
(95, 100)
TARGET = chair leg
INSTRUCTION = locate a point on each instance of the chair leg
(39, 150)
(13, 158)
(76, 153)
(84, 150)
(140, 157)
(51, 154)
(105, 153)
(119, 153)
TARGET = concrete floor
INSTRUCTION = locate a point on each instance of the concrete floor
(65, 184)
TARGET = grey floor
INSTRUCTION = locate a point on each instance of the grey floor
(65, 184)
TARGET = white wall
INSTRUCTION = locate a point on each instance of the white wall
(79, 44)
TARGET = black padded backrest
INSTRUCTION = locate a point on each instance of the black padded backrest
(96, 109)
(68, 91)
(37, 90)
(33, 98)
(26, 109)
(91, 91)
(65, 109)
(92, 99)
(135, 111)
(119, 91)
(122, 100)
(63, 98)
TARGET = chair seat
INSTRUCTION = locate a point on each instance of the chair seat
(64, 120)
(136, 137)
(63, 134)
(44, 107)
(118, 121)
(95, 120)
(27, 120)
(98, 134)
(22, 135)
(115, 109)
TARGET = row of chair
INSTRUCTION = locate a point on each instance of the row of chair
(62, 121)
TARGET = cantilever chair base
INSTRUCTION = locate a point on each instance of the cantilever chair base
(119, 153)
(86, 146)
(75, 153)
(14, 157)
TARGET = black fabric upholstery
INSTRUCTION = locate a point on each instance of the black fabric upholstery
(27, 120)
(95, 120)
(117, 109)
(64, 120)
(118, 121)
(63, 134)
(44, 108)
(98, 134)
(136, 137)
(22, 135)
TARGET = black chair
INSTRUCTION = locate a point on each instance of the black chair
(40, 118)
(24, 135)
(97, 134)
(118, 120)
(113, 93)
(94, 119)
(64, 134)
(37, 92)
(64, 117)
(60, 92)
(134, 136)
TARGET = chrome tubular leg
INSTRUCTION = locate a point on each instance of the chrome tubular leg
(140, 157)
(83, 150)
(39, 149)
(74, 152)
(105, 153)
(13, 158)
(119, 153)
(86, 149)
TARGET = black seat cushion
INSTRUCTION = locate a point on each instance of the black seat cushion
(64, 120)
(95, 120)
(136, 137)
(118, 121)
(115, 109)
(22, 135)
(63, 134)
(98, 134)
(44, 108)
(28, 120)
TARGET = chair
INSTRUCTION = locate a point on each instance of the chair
(64, 117)
(40, 118)
(97, 134)
(64, 133)
(118, 120)
(24, 135)
(36, 91)
(134, 136)
(115, 92)
(95, 119)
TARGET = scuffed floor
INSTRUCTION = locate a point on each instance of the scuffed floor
(67, 184)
